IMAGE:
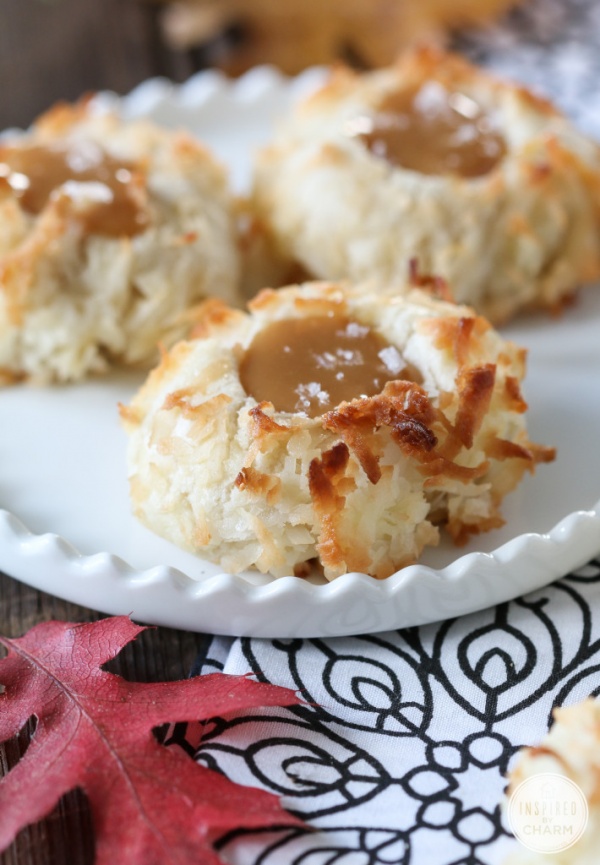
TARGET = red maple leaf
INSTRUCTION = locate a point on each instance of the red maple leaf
(150, 804)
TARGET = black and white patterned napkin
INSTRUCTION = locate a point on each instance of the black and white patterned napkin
(401, 758)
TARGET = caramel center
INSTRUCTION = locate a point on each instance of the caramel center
(433, 131)
(313, 364)
(86, 174)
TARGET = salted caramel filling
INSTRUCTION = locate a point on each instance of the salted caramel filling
(433, 131)
(101, 186)
(313, 364)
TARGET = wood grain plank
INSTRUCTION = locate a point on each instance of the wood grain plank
(61, 49)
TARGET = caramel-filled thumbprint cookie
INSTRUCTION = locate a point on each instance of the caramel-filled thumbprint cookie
(432, 159)
(331, 422)
(109, 232)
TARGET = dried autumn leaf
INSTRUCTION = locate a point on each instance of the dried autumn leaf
(150, 804)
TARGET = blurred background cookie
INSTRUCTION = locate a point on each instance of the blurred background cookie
(570, 750)
(64, 48)
(237, 35)
(478, 180)
(109, 232)
(331, 421)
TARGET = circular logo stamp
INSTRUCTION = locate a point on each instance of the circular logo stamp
(548, 813)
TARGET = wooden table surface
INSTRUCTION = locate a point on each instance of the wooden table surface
(62, 49)
(52, 50)
(65, 837)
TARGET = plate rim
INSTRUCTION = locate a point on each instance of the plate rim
(570, 543)
(106, 582)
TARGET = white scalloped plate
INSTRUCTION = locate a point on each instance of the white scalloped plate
(62, 463)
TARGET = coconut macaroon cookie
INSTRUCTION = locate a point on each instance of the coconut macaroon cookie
(572, 750)
(109, 232)
(434, 160)
(330, 422)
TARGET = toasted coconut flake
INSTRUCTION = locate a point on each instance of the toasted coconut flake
(475, 387)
